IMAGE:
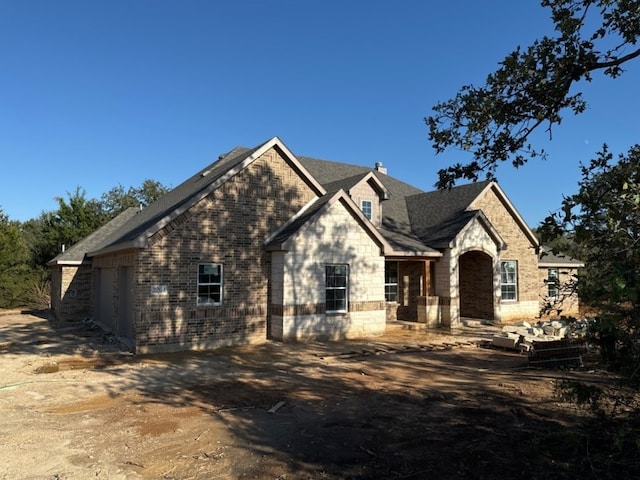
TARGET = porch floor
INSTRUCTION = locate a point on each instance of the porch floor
(469, 326)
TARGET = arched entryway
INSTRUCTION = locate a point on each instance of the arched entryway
(476, 285)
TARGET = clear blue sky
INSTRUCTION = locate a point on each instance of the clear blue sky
(101, 93)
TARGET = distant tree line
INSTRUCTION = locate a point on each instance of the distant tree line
(26, 247)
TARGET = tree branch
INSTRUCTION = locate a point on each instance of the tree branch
(617, 62)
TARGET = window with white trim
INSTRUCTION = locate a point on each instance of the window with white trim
(367, 208)
(336, 288)
(509, 280)
(209, 284)
(552, 283)
(391, 281)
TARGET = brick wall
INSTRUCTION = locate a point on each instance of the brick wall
(519, 248)
(477, 291)
(568, 302)
(72, 292)
(229, 227)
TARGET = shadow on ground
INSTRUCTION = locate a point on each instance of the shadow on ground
(420, 407)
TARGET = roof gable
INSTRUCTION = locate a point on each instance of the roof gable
(395, 219)
(309, 214)
(135, 233)
(351, 183)
(479, 217)
(502, 197)
(437, 217)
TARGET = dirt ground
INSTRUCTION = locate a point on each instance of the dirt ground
(408, 405)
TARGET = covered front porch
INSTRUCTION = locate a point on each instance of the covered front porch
(410, 291)
(440, 292)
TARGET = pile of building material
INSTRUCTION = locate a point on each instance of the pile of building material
(521, 335)
(553, 343)
(557, 353)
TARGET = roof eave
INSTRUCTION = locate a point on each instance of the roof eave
(405, 253)
(560, 265)
(118, 247)
(53, 262)
(273, 142)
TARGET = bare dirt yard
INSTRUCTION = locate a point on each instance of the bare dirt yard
(408, 405)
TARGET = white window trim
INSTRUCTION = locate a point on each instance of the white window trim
(345, 288)
(388, 284)
(514, 283)
(221, 283)
(555, 282)
(362, 203)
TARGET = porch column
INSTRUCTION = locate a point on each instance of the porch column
(428, 306)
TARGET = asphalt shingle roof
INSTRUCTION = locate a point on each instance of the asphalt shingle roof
(396, 227)
(101, 238)
(413, 221)
(437, 217)
(548, 258)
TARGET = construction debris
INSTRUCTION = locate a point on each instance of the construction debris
(557, 353)
(551, 343)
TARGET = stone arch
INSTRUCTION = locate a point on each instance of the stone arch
(476, 278)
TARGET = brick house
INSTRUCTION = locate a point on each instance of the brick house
(557, 275)
(265, 244)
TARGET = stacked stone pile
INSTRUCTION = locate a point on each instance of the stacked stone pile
(521, 335)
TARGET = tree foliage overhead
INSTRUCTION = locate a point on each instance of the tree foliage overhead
(603, 218)
(532, 88)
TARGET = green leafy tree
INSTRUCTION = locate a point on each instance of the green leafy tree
(14, 258)
(603, 218)
(76, 217)
(118, 199)
(530, 92)
(533, 87)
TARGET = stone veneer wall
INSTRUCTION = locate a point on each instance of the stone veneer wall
(298, 279)
(229, 227)
(472, 238)
(364, 191)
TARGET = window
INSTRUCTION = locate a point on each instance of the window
(210, 284)
(509, 280)
(367, 208)
(337, 281)
(552, 282)
(391, 281)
